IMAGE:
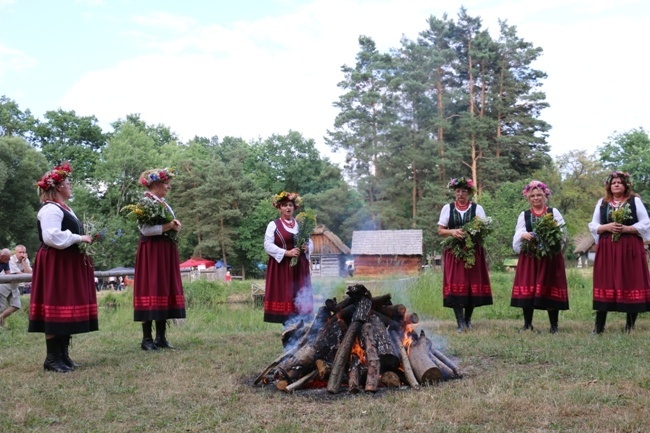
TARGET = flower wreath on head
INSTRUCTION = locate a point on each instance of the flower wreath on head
(287, 196)
(55, 176)
(462, 182)
(623, 175)
(536, 184)
(157, 175)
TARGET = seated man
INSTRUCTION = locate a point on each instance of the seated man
(9, 292)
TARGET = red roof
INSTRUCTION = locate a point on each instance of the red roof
(193, 262)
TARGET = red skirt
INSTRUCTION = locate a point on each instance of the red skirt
(540, 283)
(157, 286)
(63, 298)
(464, 287)
(621, 277)
(288, 290)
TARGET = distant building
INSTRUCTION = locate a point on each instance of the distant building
(387, 252)
(329, 255)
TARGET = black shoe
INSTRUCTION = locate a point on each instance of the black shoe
(53, 360)
(163, 343)
(148, 344)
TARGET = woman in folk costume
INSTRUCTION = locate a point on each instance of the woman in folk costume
(540, 281)
(63, 299)
(288, 288)
(619, 226)
(157, 287)
(464, 288)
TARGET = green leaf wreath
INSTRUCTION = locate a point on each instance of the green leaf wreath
(475, 232)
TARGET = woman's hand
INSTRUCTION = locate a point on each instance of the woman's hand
(172, 225)
(87, 239)
(527, 236)
(295, 252)
(458, 233)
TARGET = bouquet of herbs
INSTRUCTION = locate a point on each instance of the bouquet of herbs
(620, 215)
(475, 232)
(96, 234)
(152, 213)
(547, 240)
(306, 225)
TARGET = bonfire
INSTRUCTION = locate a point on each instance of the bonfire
(363, 343)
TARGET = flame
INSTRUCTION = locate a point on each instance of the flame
(358, 350)
(407, 339)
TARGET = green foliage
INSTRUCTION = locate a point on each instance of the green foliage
(548, 238)
(504, 206)
(64, 136)
(476, 231)
(20, 167)
(629, 151)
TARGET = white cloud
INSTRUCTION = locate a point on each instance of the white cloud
(254, 78)
(13, 60)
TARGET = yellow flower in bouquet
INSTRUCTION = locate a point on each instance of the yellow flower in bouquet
(620, 216)
(151, 213)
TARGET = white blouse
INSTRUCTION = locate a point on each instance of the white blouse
(275, 251)
(520, 229)
(643, 226)
(50, 217)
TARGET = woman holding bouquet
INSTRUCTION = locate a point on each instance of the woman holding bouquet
(619, 226)
(63, 297)
(288, 287)
(464, 287)
(157, 287)
(540, 281)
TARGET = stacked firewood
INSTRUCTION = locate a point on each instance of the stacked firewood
(363, 342)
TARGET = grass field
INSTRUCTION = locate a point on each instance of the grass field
(514, 381)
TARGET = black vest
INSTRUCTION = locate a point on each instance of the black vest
(528, 218)
(69, 222)
(605, 209)
(456, 220)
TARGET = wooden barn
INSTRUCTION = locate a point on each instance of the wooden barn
(330, 253)
(387, 252)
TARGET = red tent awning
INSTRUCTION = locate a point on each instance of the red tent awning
(193, 262)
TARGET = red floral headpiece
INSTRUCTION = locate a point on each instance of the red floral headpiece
(55, 176)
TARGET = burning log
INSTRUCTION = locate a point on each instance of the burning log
(364, 340)
(390, 379)
(343, 352)
(424, 369)
(388, 353)
(324, 368)
(441, 356)
(354, 374)
(372, 357)
(302, 381)
(406, 364)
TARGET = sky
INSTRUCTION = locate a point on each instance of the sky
(253, 68)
